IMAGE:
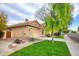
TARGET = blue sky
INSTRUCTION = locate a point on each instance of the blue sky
(75, 22)
(17, 12)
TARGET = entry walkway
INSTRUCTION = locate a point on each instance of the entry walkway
(72, 45)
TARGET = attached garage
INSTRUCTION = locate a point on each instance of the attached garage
(8, 34)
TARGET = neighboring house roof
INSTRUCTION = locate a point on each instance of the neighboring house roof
(33, 23)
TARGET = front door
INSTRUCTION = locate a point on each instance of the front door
(8, 34)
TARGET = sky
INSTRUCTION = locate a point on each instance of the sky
(75, 22)
(18, 12)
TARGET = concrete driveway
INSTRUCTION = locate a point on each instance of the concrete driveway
(4, 46)
(5, 50)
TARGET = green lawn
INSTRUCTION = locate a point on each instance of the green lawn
(59, 36)
(44, 48)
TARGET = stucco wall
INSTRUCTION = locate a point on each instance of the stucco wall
(18, 32)
(4, 37)
(26, 31)
(35, 32)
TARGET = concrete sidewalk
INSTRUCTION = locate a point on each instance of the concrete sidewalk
(55, 39)
(72, 45)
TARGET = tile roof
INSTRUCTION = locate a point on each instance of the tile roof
(27, 23)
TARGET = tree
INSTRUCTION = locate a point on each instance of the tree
(78, 29)
(3, 22)
(43, 12)
(63, 12)
(59, 17)
(50, 25)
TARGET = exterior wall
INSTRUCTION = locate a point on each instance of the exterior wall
(19, 32)
(35, 32)
(4, 37)
(25, 31)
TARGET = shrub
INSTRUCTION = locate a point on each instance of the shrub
(48, 35)
(1, 34)
(18, 41)
(73, 31)
(32, 39)
(57, 33)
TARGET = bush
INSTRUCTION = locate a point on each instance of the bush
(73, 31)
(32, 39)
(1, 34)
(18, 41)
(57, 33)
(48, 35)
(66, 31)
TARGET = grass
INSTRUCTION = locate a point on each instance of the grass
(62, 36)
(44, 48)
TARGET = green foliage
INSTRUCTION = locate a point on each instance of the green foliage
(61, 36)
(44, 48)
(49, 24)
(3, 21)
(60, 17)
(78, 29)
(73, 31)
(63, 12)
(65, 31)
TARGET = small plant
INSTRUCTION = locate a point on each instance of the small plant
(48, 35)
(17, 41)
(57, 33)
(32, 39)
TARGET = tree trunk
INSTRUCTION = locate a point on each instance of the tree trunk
(52, 36)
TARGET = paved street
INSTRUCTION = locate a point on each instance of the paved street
(72, 45)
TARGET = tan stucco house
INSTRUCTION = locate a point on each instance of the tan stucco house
(26, 29)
